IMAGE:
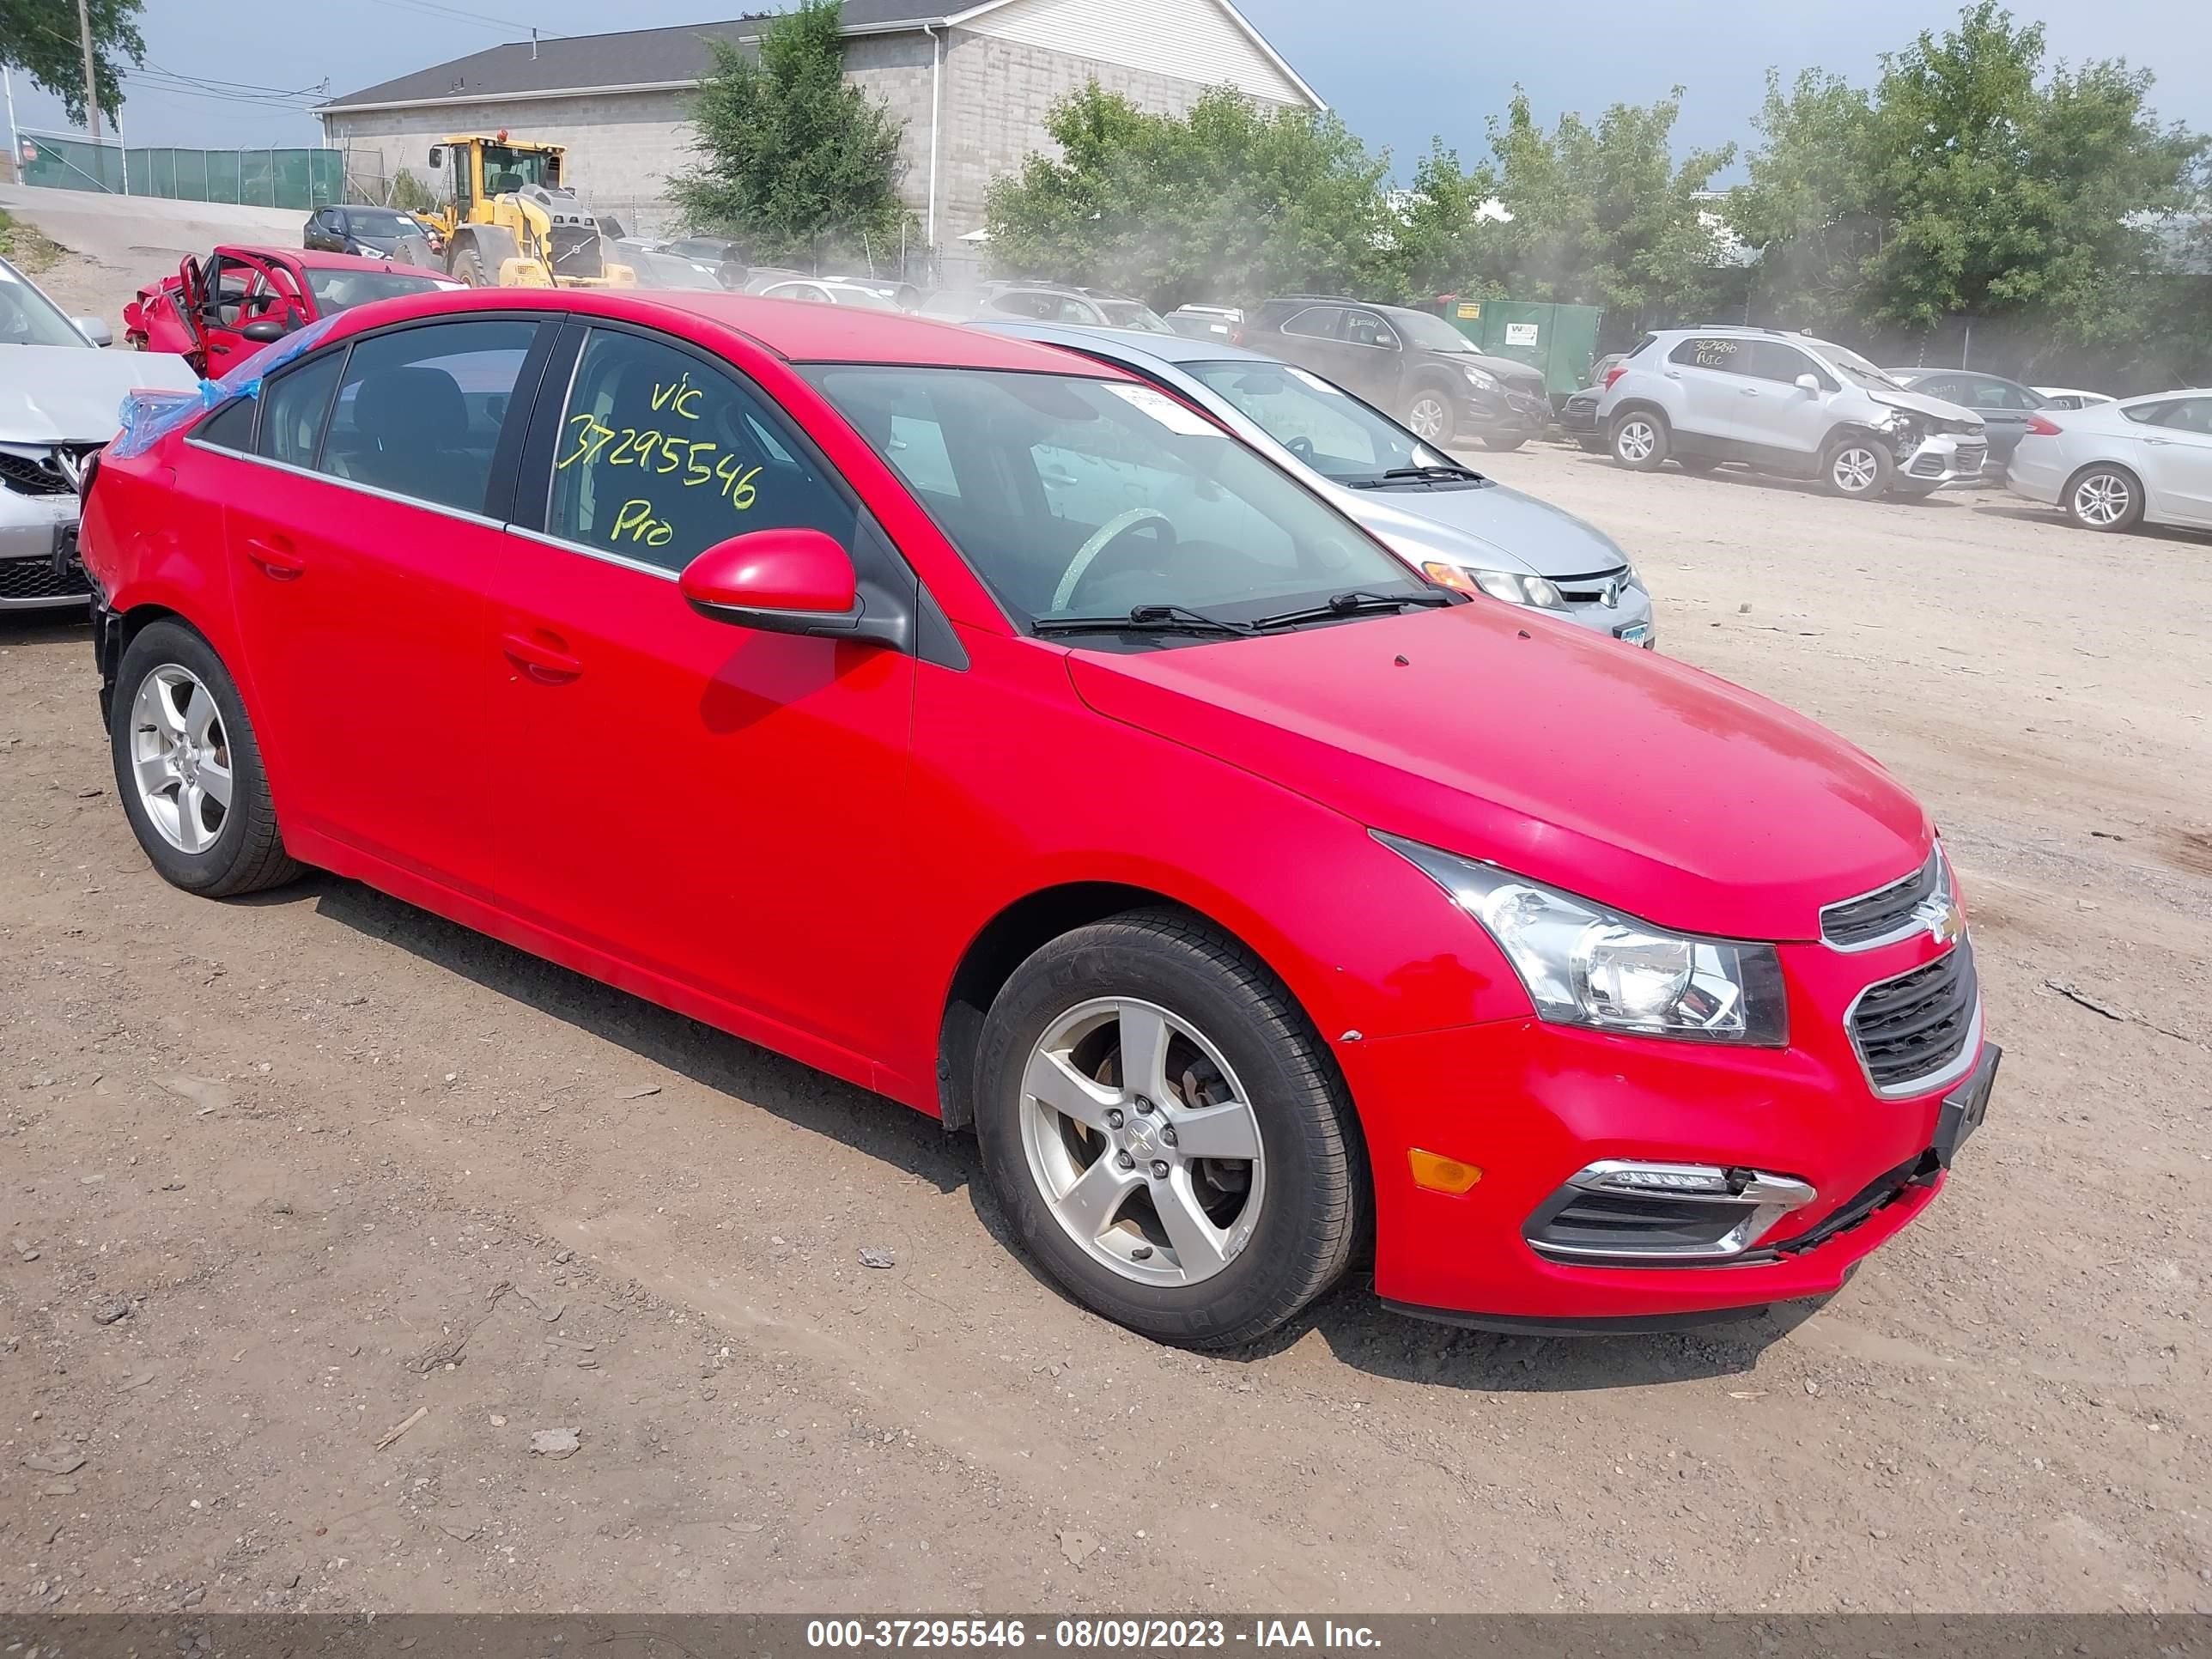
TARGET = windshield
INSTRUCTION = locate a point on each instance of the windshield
(1331, 431)
(507, 171)
(341, 290)
(1430, 333)
(28, 317)
(381, 222)
(1856, 366)
(1079, 497)
(1128, 313)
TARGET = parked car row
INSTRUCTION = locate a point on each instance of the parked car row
(862, 596)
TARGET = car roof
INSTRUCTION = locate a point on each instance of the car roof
(799, 331)
(1124, 342)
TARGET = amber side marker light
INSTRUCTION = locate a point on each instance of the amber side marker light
(1440, 1173)
(1451, 576)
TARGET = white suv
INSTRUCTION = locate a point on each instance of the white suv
(1783, 402)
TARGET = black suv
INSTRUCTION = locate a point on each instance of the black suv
(1414, 365)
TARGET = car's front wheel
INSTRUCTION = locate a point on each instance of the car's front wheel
(188, 770)
(2105, 497)
(1640, 441)
(1857, 468)
(1167, 1132)
(1430, 414)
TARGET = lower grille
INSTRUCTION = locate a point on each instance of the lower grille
(34, 578)
(576, 250)
(40, 478)
(1910, 1031)
(1971, 457)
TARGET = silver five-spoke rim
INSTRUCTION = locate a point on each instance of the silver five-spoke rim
(1635, 441)
(2102, 499)
(1142, 1142)
(1856, 470)
(180, 758)
(1427, 417)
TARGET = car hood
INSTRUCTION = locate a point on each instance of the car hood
(1509, 369)
(1631, 779)
(73, 394)
(1492, 525)
(1920, 403)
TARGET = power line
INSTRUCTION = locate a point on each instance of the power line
(484, 20)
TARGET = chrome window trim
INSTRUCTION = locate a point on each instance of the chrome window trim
(1896, 935)
(604, 556)
(1969, 1049)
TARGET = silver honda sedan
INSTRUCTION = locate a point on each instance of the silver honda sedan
(1445, 518)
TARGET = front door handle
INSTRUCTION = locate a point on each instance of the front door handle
(1748, 391)
(2158, 440)
(546, 664)
(276, 557)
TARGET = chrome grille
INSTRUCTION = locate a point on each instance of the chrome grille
(1910, 1031)
(1884, 915)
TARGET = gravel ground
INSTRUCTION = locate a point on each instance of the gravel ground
(329, 1228)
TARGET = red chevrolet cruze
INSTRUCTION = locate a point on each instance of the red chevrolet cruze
(986, 727)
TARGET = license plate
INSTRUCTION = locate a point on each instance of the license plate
(1635, 634)
(1966, 1106)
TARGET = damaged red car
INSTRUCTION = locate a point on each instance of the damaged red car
(989, 728)
(219, 311)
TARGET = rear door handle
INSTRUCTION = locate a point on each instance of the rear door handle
(2158, 440)
(1749, 391)
(276, 557)
(546, 664)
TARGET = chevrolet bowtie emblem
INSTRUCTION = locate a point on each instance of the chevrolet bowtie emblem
(1941, 917)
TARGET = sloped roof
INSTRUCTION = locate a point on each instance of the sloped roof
(672, 56)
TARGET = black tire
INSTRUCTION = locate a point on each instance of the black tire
(1639, 439)
(469, 267)
(1696, 462)
(1503, 444)
(246, 852)
(1594, 445)
(1316, 1170)
(1431, 408)
(1857, 467)
(2104, 497)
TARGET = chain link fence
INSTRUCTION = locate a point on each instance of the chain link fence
(273, 177)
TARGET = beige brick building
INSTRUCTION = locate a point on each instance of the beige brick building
(973, 85)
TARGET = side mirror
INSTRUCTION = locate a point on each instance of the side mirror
(437, 156)
(1808, 383)
(262, 332)
(95, 329)
(782, 581)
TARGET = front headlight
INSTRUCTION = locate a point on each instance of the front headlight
(1480, 378)
(1507, 585)
(1584, 965)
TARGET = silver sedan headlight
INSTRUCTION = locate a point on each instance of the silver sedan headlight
(1516, 589)
(1584, 965)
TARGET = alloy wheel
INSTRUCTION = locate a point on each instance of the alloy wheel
(180, 758)
(1142, 1142)
(1428, 417)
(2102, 499)
(1635, 440)
(1855, 470)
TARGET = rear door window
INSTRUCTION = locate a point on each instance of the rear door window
(1722, 353)
(1315, 323)
(419, 411)
(660, 455)
(294, 406)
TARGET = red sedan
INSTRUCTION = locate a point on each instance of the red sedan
(984, 726)
(219, 311)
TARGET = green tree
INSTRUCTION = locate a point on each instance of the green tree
(1228, 202)
(1968, 183)
(411, 195)
(39, 37)
(792, 156)
(1600, 214)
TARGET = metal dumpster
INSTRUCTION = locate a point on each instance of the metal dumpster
(1559, 341)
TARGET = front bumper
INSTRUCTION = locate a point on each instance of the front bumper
(1503, 413)
(1941, 458)
(1530, 1104)
(1578, 416)
(38, 546)
(1627, 617)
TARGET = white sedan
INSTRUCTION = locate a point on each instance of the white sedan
(2118, 465)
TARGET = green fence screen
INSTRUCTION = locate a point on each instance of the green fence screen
(251, 178)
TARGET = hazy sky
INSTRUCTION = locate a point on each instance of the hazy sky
(1397, 70)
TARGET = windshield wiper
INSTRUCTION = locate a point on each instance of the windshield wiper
(1359, 601)
(1418, 474)
(1144, 619)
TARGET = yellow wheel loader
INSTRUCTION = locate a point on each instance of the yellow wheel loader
(510, 223)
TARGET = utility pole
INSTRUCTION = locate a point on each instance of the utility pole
(91, 86)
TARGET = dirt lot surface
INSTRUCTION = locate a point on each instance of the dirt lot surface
(319, 1211)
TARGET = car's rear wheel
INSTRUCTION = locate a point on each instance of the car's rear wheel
(1696, 463)
(1503, 444)
(469, 267)
(188, 770)
(2105, 497)
(1857, 468)
(1167, 1131)
(1640, 441)
(1429, 414)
